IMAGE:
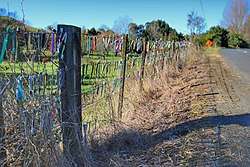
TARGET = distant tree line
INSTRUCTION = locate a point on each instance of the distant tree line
(222, 37)
(234, 32)
(154, 30)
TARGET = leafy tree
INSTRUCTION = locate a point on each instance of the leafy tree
(92, 31)
(236, 41)
(140, 31)
(152, 31)
(103, 28)
(110, 31)
(157, 29)
(200, 40)
(132, 30)
(173, 36)
(219, 35)
(136, 31)
(187, 37)
(181, 37)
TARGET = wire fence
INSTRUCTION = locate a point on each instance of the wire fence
(30, 88)
(101, 101)
(29, 97)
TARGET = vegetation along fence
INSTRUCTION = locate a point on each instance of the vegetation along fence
(57, 87)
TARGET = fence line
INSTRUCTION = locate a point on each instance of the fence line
(32, 82)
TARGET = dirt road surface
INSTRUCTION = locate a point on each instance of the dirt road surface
(231, 71)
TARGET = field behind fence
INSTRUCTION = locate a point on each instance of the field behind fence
(36, 129)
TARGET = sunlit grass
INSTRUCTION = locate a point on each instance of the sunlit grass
(212, 50)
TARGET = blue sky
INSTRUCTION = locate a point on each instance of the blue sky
(93, 13)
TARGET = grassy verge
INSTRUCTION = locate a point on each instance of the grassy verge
(213, 50)
(96, 71)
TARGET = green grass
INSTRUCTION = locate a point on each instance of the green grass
(100, 58)
(212, 50)
(97, 77)
(8, 67)
(29, 68)
(99, 113)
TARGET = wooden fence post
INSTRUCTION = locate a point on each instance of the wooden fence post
(173, 52)
(154, 63)
(123, 74)
(144, 54)
(70, 86)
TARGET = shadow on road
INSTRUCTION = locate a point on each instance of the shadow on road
(206, 122)
(132, 140)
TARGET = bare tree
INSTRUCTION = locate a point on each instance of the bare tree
(235, 15)
(247, 29)
(196, 24)
(121, 25)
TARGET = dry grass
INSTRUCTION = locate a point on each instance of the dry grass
(170, 97)
(37, 143)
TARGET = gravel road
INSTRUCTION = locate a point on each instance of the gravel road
(239, 59)
(234, 101)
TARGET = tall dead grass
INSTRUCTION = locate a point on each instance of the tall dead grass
(164, 101)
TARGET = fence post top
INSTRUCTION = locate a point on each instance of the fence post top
(67, 26)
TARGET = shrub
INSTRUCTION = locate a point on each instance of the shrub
(236, 41)
(219, 35)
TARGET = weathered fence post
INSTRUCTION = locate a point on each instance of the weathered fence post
(123, 74)
(173, 52)
(70, 86)
(144, 54)
(154, 63)
(2, 132)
